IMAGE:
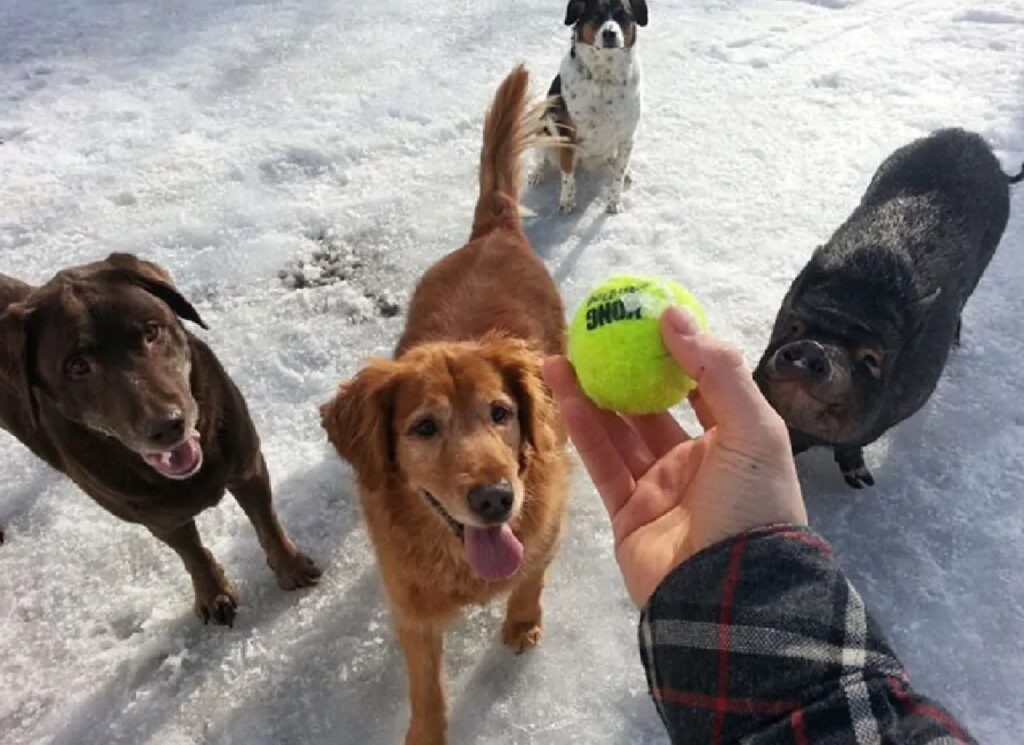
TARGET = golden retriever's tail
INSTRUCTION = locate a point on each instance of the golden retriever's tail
(512, 126)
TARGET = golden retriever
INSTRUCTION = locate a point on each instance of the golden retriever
(457, 447)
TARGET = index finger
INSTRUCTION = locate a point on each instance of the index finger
(728, 394)
(606, 467)
(661, 432)
(700, 408)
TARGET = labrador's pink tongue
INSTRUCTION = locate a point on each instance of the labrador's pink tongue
(159, 461)
(494, 553)
(181, 460)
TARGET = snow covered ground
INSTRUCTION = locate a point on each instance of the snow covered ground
(335, 143)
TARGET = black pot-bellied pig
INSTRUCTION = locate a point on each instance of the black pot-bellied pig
(865, 329)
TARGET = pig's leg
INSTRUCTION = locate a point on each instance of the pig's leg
(800, 442)
(851, 463)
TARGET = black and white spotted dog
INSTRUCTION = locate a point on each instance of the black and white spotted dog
(596, 94)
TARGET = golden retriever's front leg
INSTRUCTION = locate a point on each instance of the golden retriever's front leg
(522, 628)
(422, 647)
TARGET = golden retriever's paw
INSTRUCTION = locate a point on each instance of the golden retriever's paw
(522, 635)
(217, 604)
(298, 570)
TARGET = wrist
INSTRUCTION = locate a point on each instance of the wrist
(707, 560)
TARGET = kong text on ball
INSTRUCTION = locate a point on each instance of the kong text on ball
(616, 349)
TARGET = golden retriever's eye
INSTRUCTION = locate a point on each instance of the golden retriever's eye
(872, 361)
(77, 367)
(425, 428)
(500, 413)
(152, 332)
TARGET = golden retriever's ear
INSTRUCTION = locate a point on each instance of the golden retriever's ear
(358, 422)
(15, 365)
(538, 418)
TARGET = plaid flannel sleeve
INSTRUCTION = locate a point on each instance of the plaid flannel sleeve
(762, 640)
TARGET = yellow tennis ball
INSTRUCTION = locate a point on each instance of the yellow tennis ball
(616, 347)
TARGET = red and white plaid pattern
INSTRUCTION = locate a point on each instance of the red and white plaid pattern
(762, 640)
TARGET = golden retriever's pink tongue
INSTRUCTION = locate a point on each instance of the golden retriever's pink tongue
(494, 553)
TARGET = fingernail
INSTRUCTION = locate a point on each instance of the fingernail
(681, 321)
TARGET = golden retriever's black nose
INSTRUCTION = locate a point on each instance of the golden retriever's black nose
(166, 430)
(491, 502)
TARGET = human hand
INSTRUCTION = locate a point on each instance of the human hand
(670, 495)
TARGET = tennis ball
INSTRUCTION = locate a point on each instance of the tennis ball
(616, 347)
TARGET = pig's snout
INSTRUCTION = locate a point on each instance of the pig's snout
(805, 361)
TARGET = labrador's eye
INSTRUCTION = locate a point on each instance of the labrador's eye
(77, 367)
(152, 332)
(872, 361)
(500, 413)
(797, 328)
(425, 428)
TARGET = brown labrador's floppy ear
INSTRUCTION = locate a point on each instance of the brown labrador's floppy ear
(520, 367)
(358, 422)
(15, 362)
(155, 280)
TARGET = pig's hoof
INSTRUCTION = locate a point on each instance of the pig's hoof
(851, 463)
(858, 476)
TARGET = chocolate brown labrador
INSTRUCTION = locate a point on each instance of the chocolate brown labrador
(100, 378)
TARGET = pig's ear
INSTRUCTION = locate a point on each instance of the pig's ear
(922, 308)
(798, 285)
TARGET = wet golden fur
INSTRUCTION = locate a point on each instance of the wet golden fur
(479, 324)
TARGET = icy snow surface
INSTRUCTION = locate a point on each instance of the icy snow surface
(297, 163)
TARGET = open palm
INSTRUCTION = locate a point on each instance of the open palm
(670, 495)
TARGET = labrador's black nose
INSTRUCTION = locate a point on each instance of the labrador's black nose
(166, 430)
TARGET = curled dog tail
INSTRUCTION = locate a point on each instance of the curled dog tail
(511, 126)
(1018, 178)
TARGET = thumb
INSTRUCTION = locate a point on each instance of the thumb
(726, 386)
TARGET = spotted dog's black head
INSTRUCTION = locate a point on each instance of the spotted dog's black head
(606, 24)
